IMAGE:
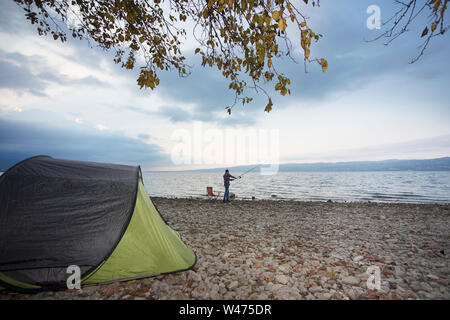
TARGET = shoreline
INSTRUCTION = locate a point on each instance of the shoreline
(269, 250)
(279, 199)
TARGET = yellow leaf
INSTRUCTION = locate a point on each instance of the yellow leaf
(436, 6)
(303, 24)
(269, 63)
(433, 27)
(210, 3)
(276, 15)
(324, 64)
(424, 32)
(307, 52)
(269, 106)
(282, 24)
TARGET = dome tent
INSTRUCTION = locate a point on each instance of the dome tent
(55, 213)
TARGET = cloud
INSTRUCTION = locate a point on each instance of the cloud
(144, 136)
(34, 75)
(176, 114)
(18, 78)
(19, 140)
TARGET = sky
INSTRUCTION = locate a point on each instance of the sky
(69, 100)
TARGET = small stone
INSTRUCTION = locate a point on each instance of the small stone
(315, 289)
(351, 280)
(325, 296)
(282, 279)
(399, 272)
(233, 285)
(416, 286)
(358, 258)
(426, 287)
(432, 276)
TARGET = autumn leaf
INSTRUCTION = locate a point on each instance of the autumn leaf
(324, 64)
(424, 32)
(436, 6)
(282, 24)
(307, 53)
(276, 15)
(269, 106)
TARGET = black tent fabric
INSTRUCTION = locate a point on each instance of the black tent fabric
(69, 213)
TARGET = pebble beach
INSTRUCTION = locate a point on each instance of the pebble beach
(265, 249)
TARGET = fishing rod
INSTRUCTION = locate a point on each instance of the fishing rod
(240, 176)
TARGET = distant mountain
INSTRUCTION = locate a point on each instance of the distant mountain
(439, 164)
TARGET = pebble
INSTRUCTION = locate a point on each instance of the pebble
(282, 279)
(296, 250)
(315, 289)
(351, 280)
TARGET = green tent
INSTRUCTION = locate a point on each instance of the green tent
(57, 213)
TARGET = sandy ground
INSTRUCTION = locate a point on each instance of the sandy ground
(296, 250)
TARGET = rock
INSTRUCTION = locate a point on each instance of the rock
(315, 289)
(194, 276)
(399, 272)
(233, 285)
(262, 296)
(416, 286)
(350, 280)
(358, 258)
(282, 279)
(283, 269)
(432, 276)
(325, 296)
(315, 263)
(426, 287)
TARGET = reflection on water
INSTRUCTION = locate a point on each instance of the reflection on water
(398, 186)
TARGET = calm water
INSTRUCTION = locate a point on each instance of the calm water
(400, 186)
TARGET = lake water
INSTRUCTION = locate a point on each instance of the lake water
(392, 186)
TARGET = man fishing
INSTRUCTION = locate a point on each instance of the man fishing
(227, 177)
